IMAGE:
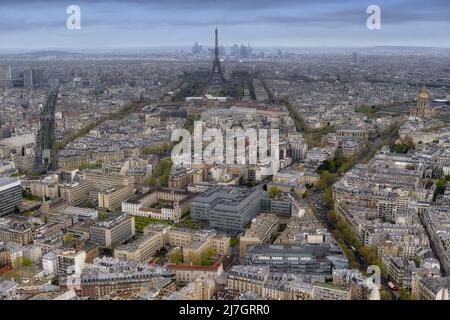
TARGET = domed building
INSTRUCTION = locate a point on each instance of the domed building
(424, 108)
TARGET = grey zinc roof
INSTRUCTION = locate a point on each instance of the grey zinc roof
(4, 181)
(281, 250)
(436, 284)
(229, 198)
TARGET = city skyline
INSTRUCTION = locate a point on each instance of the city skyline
(245, 153)
(28, 25)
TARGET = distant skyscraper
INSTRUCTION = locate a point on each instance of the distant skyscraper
(217, 78)
(17, 77)
(243, 52)
(5, 77)
(28, 79)
(355, 57)
(235, 50)
(196, 49)
(33, 78)
(38, 77)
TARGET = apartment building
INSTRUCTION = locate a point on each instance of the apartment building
(431, 288)
(117, 229)
(303, 259)
(185, 273)
(248, 278)
(227, 207)
(21, 233)
(97, 284)
(165, 204)
(112, 198)
(141, 250)
(70, 262)
(193, 242)
(329, 291)
(261, 230)
(10, 195)
(75, 194)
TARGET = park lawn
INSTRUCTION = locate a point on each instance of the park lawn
(142, 222)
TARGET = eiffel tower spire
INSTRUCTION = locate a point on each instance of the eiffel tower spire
(217, 78)
(216, 51)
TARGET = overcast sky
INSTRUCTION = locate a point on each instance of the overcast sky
(38, 24)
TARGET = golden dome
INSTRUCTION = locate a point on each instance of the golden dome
(424, 93)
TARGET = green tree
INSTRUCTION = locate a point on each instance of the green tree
(68, 238)
(417, 261)
(88, 204)
(405, 295)
(206, 257)
(400, 148)
(332, 218)
(189, 125)
(440, 186)
(385, 295)
(176, 256)
(234, 242)
(273, 192)
(102, 215)
(157, 149)
(27, 262)
(161, 173)
(206, 262)
(327, 197)
(325, 180)
(17, 263)
(368, 253)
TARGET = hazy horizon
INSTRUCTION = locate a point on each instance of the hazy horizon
(113, 24)
(177, 48)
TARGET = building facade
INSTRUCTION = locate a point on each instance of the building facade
(114, 231)
(10, 195)
(229, 208)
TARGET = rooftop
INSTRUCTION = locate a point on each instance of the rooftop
(6, 183)
(289, 250)
(229, 198)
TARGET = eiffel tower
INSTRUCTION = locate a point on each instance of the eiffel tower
(217, 78)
